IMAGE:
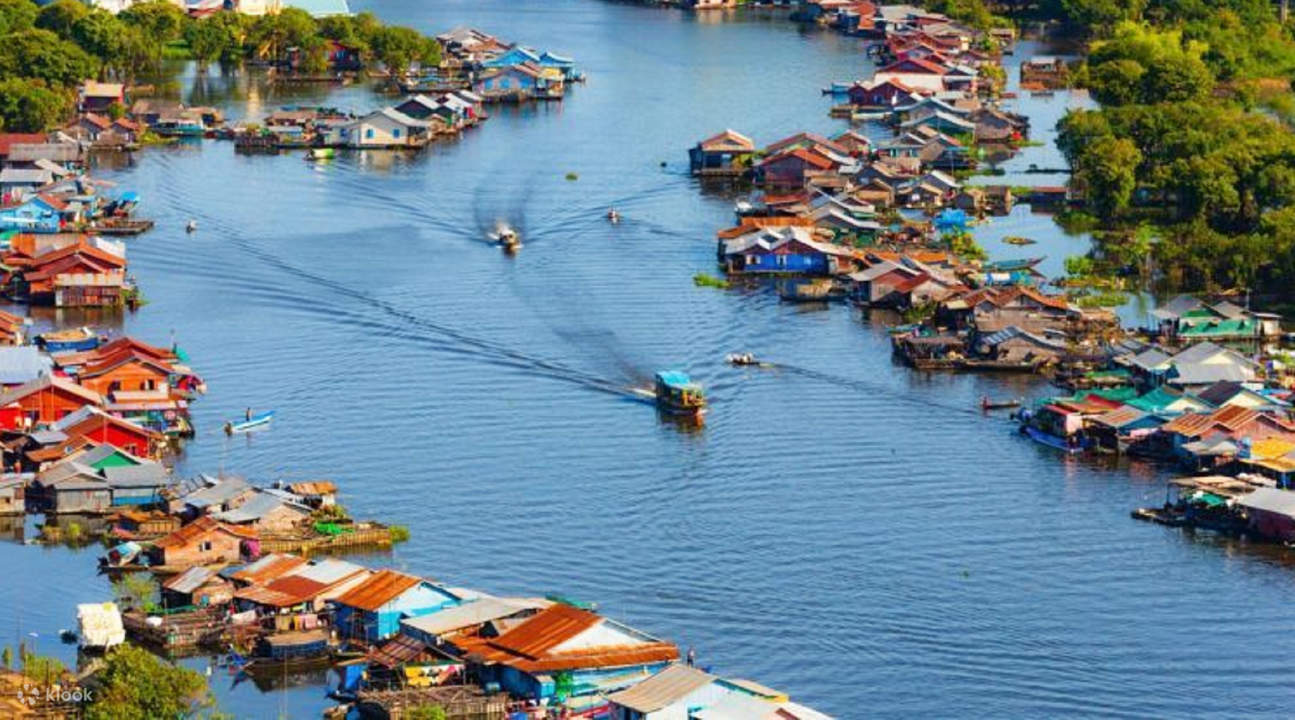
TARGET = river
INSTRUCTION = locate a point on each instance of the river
(843, 528)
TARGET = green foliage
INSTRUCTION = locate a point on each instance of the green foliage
(42, 55)
(136, 685)
(963, 245)
(16, 15)
(1079, 266)
(399, 533)
(1110, 298)
(1097, 17)
(399, 48)
(6, 657)
(1141, 64)
(101, 35)
(425, 712)
(135, 590)
(60, 16)
(27, 106)
(41, 668)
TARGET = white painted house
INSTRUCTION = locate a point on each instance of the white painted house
(385, 128)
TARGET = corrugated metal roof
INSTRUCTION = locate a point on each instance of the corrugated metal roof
(472, 614)
(267, 568)
(1281, 502)
(329, 570)
(380, 589)
(190, 580)
(667, 687)
(283, 592)
(547, 630)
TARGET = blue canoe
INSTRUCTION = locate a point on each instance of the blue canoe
(258, 422)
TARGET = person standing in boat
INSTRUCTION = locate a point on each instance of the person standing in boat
(248, 415)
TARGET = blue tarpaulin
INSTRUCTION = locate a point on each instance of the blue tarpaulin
(951, 220)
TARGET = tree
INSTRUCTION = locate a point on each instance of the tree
(208, 41)
(26, 106)
(42, 55)
(136, 685)
(1097, 17)
(158, 22)
(16, 15)
(1108, 173)
(100, 34)
(1118, 82)
(398, 48)
(60, 16)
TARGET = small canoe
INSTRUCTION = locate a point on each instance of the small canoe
(75, 340)
(987, 404)
(260, 421)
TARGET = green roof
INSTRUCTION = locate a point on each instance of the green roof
(1119, 394)
(1117, 373)
(1216, 328)
(1158, 400)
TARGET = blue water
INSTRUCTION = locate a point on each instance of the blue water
(843, 528)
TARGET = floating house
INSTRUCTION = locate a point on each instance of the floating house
(43, 401)
(1271, 513)
(566, 651)
(91, 424)
(727, 154)
(783, 250)
(372, 610)
(204, 541)
(385, 128)
(197, 587)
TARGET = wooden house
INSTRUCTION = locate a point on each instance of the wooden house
(725, 154)
(921, 75)
(854, 143)
(34, 213)
(267, 512)
(793, 168)
(198, 586)
(42, 401)
(882, 94)
(91, 424)
(72, 488)
(133, 524)
(373, 609)
(1023, 307)
(304, 588)
(99, 97)
(13, 494)
(1045, 73)
(204, 542)
(996, 126)
(124, 370)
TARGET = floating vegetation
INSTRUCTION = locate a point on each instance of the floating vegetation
(1018, 240)
(705, 280)
(573, 176)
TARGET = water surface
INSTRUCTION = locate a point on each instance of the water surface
(844, 529)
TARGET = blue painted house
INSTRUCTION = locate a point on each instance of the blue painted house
(35, 214)
(564, 64)
(515, 55)
(372, 610)
(513, 81)
(783, 250)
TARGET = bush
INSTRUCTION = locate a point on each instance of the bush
(399, 533)
(705, 280)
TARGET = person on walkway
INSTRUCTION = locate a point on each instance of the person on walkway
(692, 657)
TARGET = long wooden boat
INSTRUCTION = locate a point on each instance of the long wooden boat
(678, 395)
(120, 226)
(252, 424)
(74, 340)
(1052, 441)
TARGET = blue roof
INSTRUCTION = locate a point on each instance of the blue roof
(674, 378)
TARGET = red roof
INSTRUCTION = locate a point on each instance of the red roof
(922, 66)
(812, 138)
(381, 588)
(810, 158)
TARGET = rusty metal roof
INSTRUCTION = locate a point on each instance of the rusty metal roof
(380, 589)
(283, 592)
(547, 630)
(200, 528)
(268, 568)
(313, 487)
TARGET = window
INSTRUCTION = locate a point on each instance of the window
(369, 133)
(204, 546)
(396, 133)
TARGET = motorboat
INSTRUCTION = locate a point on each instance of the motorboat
(613, 216)
(677, 394)
(191, 226)
(741, 359)
(507, 238)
